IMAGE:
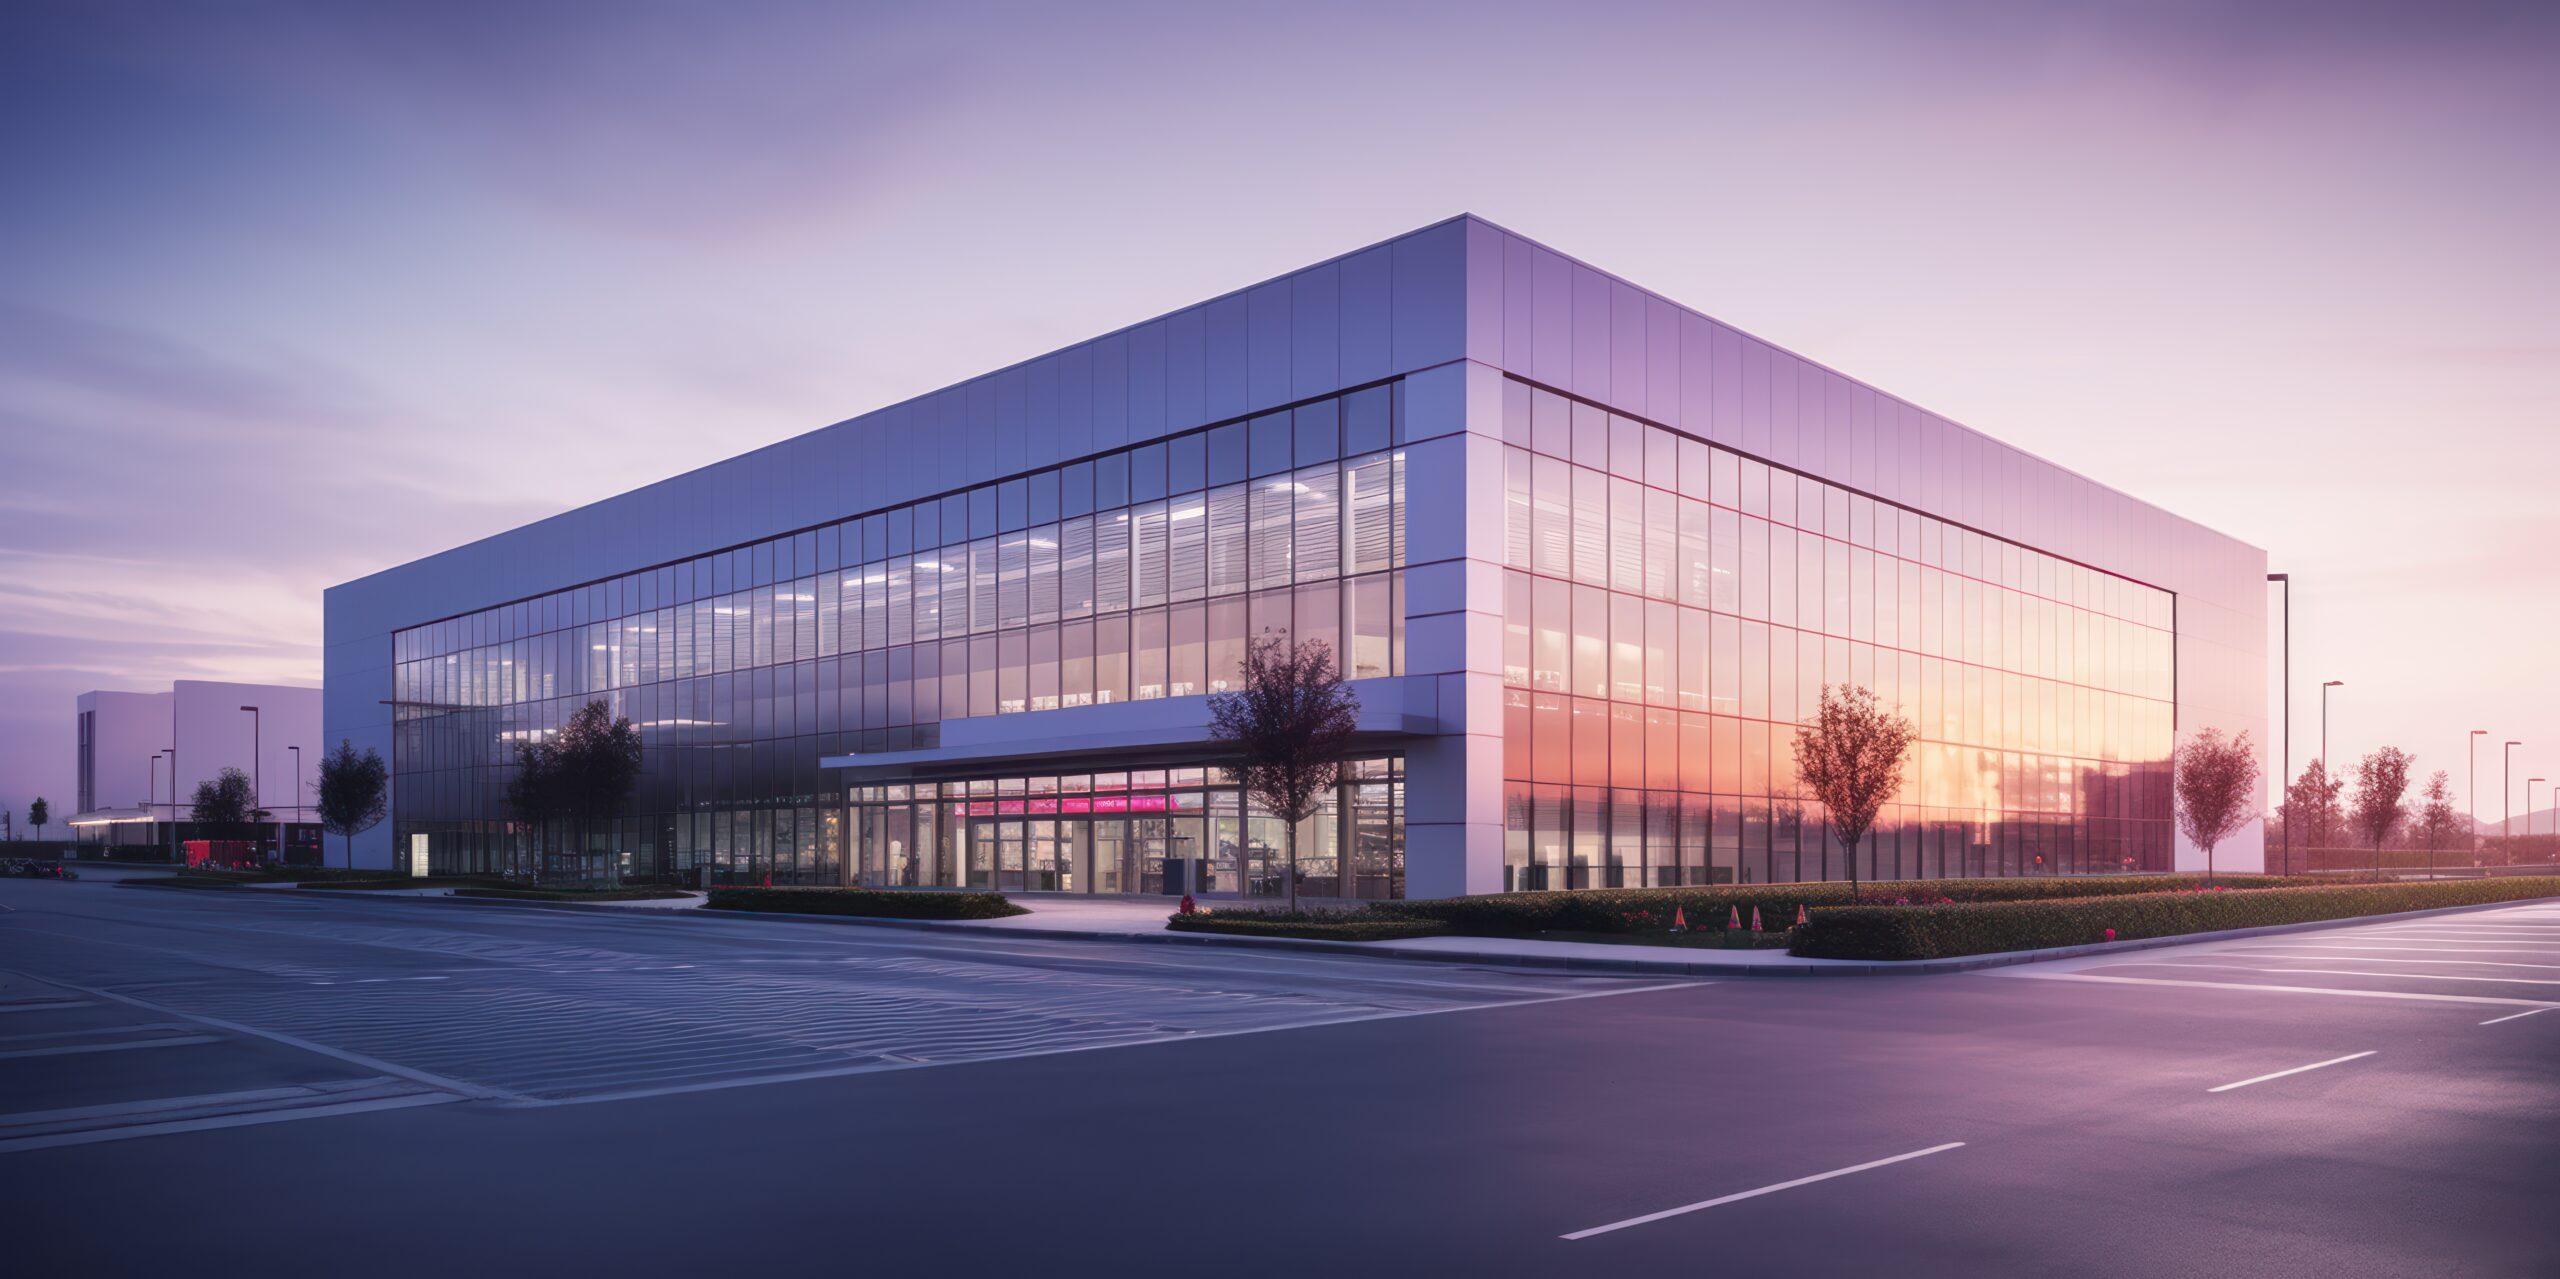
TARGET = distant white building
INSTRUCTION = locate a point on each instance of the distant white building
(142, 754)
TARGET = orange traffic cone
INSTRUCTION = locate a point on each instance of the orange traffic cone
(1679, 920)
(1799, 916)
(1733, 923)
(1755, 919)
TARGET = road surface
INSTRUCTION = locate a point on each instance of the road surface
(302, 1085)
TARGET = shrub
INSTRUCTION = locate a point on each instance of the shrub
(1614, 910)
(1330, 925)
(881, 903)
(1980, 928)
(638, 893)
(387, 883)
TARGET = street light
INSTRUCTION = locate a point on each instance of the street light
(151, 788)
(297, 796)
(2507, 801)
(2471, 790)
(173, 793)
(2324, 725)
(2284, 771)
(257, 788)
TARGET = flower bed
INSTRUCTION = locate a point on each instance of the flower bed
(878, 903)
(1981, 928)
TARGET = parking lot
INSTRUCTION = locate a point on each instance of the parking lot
(325, 1075)
(2507, 961)
(526, 1006)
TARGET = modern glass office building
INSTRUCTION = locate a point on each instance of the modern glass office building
(1586, 554)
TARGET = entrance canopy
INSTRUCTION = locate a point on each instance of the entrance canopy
(1170, 731)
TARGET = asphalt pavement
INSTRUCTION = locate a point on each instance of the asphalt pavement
(304, 1086)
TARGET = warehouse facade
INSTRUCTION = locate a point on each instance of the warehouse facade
(1587, 555)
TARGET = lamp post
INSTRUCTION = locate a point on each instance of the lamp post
(151, 789)
(2507, 801)
(173, 794)
(2529, 784)
(257, 788)
(2284, 769)
(2471, 790)
(2324, 724)
(297, 795)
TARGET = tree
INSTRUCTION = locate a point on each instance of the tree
(1850, 754)
(2311, 808)
(352, 790)
(39, 813)
(584, 772)
(2217, 787)
(533, 793)
(2437, 820)
(1288, 724)
(2382, 780)
(222, 800)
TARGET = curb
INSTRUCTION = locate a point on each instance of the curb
(1390, 950)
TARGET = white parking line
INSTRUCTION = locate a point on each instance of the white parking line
(2458, 949)
(1754, 1194)
(2512, 1016)
(2002, 974)
(2345, 972)
(878, 1067)
(96, 1135)
(45, 1005)
(73, 1050)
(2392, 959)
(2295, 1071)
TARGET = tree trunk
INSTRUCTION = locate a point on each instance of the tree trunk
(1852, 846)
(1293, 866)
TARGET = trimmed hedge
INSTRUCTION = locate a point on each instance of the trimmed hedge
(186, 881)
(1323, 925)
(404, 881)
(1628, 910)
(880, 903)
(1982, 928)
(639, 893)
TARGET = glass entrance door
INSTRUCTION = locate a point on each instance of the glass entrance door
(1107, 848)
(1045, 855)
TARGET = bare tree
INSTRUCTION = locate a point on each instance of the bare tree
(1289, 724)
(2382, 779)
(2437, 817)
(599, 755)
(2217, 786)
(534, 794)
(1850, 755)
(583, 771)
(2311, 810)
(353, 791)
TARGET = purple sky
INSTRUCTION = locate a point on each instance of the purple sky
(296, 291)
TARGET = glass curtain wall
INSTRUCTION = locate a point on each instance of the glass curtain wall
(1672, 609)
(1159, 831)
(1131, 575)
